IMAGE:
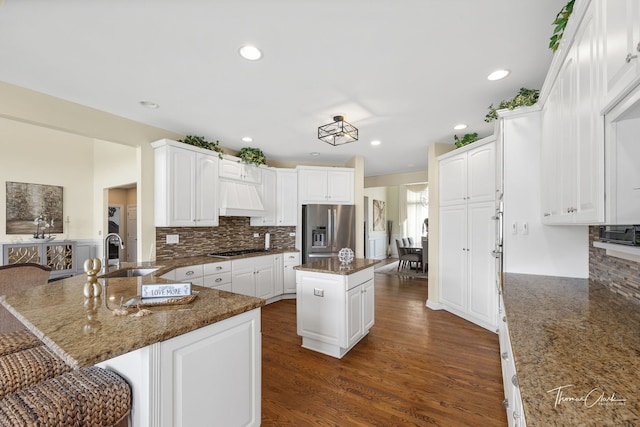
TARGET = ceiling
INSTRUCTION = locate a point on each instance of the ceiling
(403, 72)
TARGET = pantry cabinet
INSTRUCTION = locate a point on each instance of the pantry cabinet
(620, 23)
(467, 225)
(325, 185)
(469, 174)
(185, 186)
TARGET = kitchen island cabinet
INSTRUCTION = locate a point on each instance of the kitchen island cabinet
(187, 364)
(335, 304)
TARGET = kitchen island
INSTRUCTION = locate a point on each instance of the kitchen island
(576, 347)
(335, 304)
(187, 364)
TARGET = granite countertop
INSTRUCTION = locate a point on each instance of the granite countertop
(333, 266)
(84, 331)
(576, 349)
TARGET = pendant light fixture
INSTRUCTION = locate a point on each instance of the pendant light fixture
(338, 133)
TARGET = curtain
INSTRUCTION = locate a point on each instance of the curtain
(417, 206)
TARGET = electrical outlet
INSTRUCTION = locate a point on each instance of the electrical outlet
(525, 228)
(514, 227)
(173, 239)
(256, 234)
(292, 234)
(318, 292)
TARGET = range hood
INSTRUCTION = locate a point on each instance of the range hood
(240, 199)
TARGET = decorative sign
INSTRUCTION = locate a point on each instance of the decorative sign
(165, 290)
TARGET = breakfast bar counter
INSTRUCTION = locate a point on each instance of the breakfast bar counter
(576, 347)
(187, 364)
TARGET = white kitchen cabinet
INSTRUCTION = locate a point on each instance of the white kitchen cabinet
(468, 173)
(573, 135)
(267, 191)
(254, 276)
(325, 185)
(286, 197)
(193, 274)
(233, 168)
(512, 398)
(468, 234)
(212, 375)
(291, 259)
(217, 275)
(278, 274)
(620, 23)
(334, 311)
(360, 311)
(186, 185)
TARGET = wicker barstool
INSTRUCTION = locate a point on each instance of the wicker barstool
(82, 397)
(17, 341)
(27, 367)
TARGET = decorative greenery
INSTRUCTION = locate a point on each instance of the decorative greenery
(466, 139)
(200, 142)
(252, 155)
(560, 23)
(525, 97)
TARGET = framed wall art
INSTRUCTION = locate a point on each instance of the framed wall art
(379, 215)
(33, 209)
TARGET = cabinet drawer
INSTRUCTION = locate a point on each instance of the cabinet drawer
(291, 258)
(189, 273)
(217, 280)
(217, 267)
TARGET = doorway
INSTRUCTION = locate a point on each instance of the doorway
(122, 218)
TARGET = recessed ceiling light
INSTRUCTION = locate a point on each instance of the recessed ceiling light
(247, 139)
(460, 126)
(251, 53)
(376, 142)
(498, 74)
(315, 153)
(149, 104)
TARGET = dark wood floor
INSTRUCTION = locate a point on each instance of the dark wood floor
(417, 367)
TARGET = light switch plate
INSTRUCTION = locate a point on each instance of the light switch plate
(173, 239)
(256, 234)
(292, 234)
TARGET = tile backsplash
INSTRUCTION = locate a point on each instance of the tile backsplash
(619, 275)
(232, 233)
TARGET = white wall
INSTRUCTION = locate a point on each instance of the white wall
(544, 250)
(37, 155)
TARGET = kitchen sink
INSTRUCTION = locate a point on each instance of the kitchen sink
(129, 272)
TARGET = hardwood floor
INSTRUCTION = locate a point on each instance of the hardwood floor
(416, 367)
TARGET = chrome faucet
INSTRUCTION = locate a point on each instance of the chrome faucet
(107, 239)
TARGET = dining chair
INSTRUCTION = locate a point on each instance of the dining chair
(425, 254)
(405, 241)
(15, 278)
(404, 256)
(411, 241)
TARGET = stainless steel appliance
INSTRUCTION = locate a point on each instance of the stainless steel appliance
(326, 229)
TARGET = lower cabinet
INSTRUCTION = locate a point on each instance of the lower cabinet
(253, 276)
(512, 399)
(210, 376)
(291, 259)
(217, 275)
(334, 311)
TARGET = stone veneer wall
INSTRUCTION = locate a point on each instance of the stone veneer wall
(619, 275)
(232, 233)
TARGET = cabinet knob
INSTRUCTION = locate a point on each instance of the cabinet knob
(514, 381)
(505, 356)
(219, 279)
(630, 57)
(189, 273)
(218, 268)
(505, 403)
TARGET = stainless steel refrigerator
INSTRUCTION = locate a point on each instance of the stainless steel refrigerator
(326, 229)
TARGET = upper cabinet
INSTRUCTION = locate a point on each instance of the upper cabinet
(573, 134)
(620, 21)
(287, 197)
(186, 185)
(325, 185)
(234, 169)
(468, 174)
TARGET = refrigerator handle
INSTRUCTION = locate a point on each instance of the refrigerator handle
(329, 242)
(335, 231)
